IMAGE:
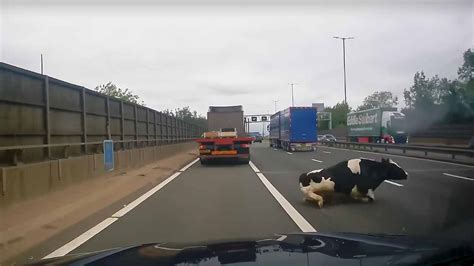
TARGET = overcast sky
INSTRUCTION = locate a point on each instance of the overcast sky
(183, 55)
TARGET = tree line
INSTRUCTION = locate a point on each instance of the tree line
(429, 100)
(125, 94)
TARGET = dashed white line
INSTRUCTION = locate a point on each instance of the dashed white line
(316, 160)
(76, 242)
(328, 152)
(458, 176)
(393, 183)
(73, 244)
(289, 153)
(299, 220)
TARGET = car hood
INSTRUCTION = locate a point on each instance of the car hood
(288, 249)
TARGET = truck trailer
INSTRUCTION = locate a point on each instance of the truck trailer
(226, 137)
(380, 125)
(294, 129)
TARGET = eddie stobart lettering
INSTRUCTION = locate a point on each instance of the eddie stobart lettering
(361, 119)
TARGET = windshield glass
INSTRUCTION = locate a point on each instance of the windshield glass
(199, 122)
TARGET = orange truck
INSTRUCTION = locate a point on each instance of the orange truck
(226, 138)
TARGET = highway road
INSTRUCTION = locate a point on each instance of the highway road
(222, 201)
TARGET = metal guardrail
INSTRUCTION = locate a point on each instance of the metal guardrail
(16, 151)
(452, 151)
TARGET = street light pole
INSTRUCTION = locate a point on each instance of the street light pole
(344, 61)
(41, 64)
(292, 97)
(275, 102)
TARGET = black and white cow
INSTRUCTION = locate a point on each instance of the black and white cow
(356, 177)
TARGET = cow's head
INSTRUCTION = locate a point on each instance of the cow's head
(393, 170)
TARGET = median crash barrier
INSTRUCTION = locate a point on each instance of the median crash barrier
(404, 148)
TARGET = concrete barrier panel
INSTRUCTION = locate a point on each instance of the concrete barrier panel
(31, 180)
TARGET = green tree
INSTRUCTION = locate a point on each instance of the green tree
(465, 72)
(378, 99)
(339, 114)
(188, 116)
(112, 90)
(421, 94)
(439, 100)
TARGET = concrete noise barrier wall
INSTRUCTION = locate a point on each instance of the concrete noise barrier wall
(27, 181)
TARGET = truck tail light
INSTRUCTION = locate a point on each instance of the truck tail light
(245, 145)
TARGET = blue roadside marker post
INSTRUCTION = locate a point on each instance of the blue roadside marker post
(108, 155)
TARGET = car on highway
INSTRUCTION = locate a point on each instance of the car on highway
(327, 138)
(257, 137)
(288, 249)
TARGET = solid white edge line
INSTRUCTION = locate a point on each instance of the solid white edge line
(254, 168)
(401, 156)
(393, 183)
(289, 153)
(299, 220)
(189, 165)
(73, 244)
(458, 176)
(316, 160)
(328, 152)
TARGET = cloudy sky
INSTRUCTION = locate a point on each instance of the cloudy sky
(199, 54)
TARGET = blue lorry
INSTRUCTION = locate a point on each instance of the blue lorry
(294, 129)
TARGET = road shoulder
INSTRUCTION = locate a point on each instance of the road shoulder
(63, 213)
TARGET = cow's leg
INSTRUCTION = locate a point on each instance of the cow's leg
(370, 195)
(319, 200)
(357, 195)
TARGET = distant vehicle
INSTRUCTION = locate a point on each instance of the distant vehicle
(257, 137)
(289, 249)
(294, 129)
(327, 138)
(380, 125)
(226, 138)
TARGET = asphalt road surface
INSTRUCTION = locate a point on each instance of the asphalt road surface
(214, 202)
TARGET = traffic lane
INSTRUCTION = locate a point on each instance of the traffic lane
(327, 156)
(204, 203)
(443, 202)
(283, 171)
(423, 206)
(414, 163)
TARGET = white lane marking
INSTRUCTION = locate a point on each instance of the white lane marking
(393, 183)
(401, 156)
(289, 153)
(73, 244)
(189, 165)
(316, 160)
(108, 221)
(275, 149)
(254, 168)
(328, 152)
(299, 220)
(143, 197)
(458, 176)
